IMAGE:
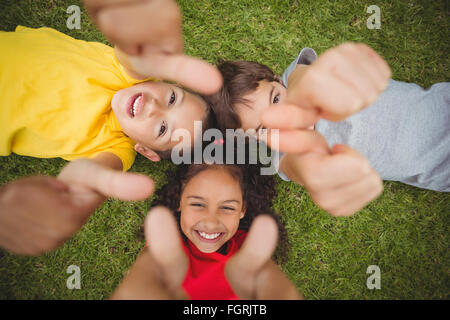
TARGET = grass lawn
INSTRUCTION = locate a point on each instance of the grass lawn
(405, 232)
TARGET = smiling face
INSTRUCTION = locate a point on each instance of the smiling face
(150, 112)
(211, 207)
(266, 95)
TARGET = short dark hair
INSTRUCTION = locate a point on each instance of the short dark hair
(239, 79)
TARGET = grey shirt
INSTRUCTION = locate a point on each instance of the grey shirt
(405, 133)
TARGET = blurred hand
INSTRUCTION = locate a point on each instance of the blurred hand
(37, 214)
(160, 270)
(340, 83)
(340, 181)
(150, 32)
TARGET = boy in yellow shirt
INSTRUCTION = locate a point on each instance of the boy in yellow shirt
(87, 102)
(62, 97)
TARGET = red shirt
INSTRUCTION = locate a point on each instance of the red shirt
(205, 278)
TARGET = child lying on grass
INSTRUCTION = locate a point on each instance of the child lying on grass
(402, 134)
(217, 257)
(83, 101)
(68, 98)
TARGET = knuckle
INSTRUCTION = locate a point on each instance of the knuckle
(363, 167)
(323, 200)
(312, 180)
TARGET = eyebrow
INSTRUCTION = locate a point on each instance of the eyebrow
(270, 102)
(182, 97)
(201, 198)
(270, 96)
(196, 197)
(232, 201)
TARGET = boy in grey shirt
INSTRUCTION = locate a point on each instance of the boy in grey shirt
(347, 100)
(405, 133)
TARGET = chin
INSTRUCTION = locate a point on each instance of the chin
(115, 100)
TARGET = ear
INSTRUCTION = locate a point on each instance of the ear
(244, 209)
(146, 152)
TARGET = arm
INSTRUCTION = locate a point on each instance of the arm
(297, 75)
(150, 33)
(109, 160)
(272, 283)
(142, 281)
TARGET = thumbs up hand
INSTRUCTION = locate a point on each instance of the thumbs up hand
(37, 214)
(160, 269)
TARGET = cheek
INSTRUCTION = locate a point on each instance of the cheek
(187, 220)
(115, 102)
(232, 222)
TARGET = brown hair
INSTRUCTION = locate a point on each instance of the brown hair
(239, 79)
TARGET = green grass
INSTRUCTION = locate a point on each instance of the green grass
(404, 232)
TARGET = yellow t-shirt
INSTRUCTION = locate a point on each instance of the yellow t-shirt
(55, 97)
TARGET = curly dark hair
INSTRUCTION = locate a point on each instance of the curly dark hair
(258, 192)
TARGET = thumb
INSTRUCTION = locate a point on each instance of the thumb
(106, 181)
(289, 116)
(295, 141)
(163, 238)
(344, 149)
(189, 72)
(257, 249)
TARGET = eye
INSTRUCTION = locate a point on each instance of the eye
(276, 99)
(173, 98)
(163, 129)
(228, 208)
(197, 205)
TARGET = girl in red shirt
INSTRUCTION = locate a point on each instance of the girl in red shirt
(216, 256)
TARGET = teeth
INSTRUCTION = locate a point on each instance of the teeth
(209, 236)
(135, 104)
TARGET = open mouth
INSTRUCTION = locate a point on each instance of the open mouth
(134, 104)
(209, 237)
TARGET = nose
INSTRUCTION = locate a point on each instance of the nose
(210, 222)
(153, 107)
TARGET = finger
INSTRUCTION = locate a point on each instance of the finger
(381, 64)
(295, 141)
(361, 71)
(348, 199)
(156, 23)
(340, 100)
(331, 171)
(288, 117)
(109, 182)
(189, 72)
(94, 5)
(41, 180)
(163, 238)
(242, 268)
(259, 245)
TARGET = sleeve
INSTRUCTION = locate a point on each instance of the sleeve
(126, 155)
(124, 150)
(306, 56)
